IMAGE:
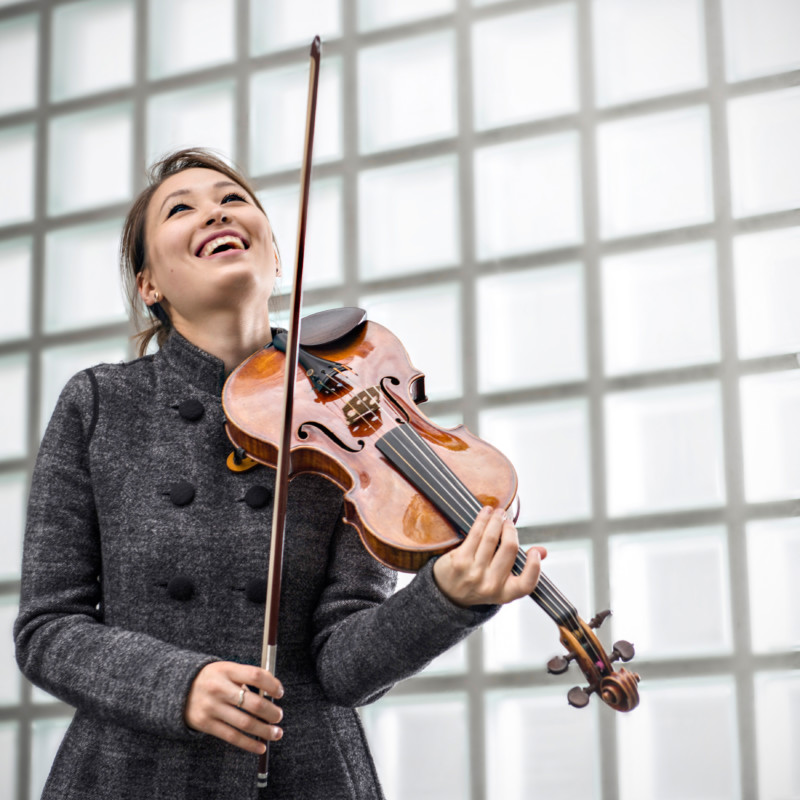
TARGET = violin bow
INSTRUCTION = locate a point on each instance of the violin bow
(269, 647)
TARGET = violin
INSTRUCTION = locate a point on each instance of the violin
(411, 489)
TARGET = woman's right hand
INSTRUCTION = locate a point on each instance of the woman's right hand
(213, 705)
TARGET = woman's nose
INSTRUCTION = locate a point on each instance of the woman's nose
(219, 214)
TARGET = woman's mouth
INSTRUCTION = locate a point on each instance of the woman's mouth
(221, 244)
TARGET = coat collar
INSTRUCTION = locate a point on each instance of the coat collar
(201, 369)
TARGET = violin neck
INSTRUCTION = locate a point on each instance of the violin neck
(411, 455)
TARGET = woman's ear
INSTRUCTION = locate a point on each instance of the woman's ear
(147, 291)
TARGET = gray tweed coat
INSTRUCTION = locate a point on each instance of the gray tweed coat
(144, 557)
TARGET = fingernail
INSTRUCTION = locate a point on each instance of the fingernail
(278, 733)
(279, 693)
(486, 510)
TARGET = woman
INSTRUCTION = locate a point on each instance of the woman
(142, 597)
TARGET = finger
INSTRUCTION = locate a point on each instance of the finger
(490, 537)
(260, 707)
(238, 739)
(254, 676)
(248, 724)
(470, 544)
(520, 585)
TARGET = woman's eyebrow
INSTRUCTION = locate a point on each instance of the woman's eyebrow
(217, 185)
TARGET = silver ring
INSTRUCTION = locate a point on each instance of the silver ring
(241, 696)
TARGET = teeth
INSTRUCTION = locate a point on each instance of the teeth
(234, 241)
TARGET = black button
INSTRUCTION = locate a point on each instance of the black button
(257, 496)
(180, 588)
(181, 493)
(191, 410)
(256, 590)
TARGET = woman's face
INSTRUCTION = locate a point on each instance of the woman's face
(209, 247)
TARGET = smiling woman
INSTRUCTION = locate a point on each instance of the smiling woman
(142, 589)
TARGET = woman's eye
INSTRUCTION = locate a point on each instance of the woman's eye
(233, 197)
(176, 208)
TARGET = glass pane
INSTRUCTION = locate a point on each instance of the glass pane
(681, 744)
(324, 243)
(189, 34)
(533, 741)
(664, 449)
(765, 173)
(59, 364)
(407, 92)
(15, 278)
(93, 47)
(179, 119)
(429, 732)
(17, 166)
(771, 436)
(19, 56)
(778, 734)
(655, 172)
(408, 218)
(380, 14)
(533, 328)
(13, 496)
(10, 677)
(528, 196)
(428, 323)
(278, 24)
(14, 404)
(8, 755)
(767, 283)
(521, 635)
(90, 159)
(660, 309)
(773, 555)
(81, 280)
(548, 444)
(647, 48)
(760, 37)
(525, 66)
(47, 736)
(278, 100)
(663, 622)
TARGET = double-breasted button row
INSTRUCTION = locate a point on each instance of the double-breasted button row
(182, 588)
(181, 493)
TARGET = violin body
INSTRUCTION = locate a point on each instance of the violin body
(334, 434)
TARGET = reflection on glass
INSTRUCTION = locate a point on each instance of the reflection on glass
(189, 34)
(525, 66)
(773, 555)
(324, 245)
(59, 364)
(93, 47)
(655, 172)
(548, 444)
(527, 196)
(406, 92)
(427, 322)
(13, 497)
(664, 449)
(380, 14)
(767, 284)
(17, 166)
(777, 705)
(46, 738)
(89, 159)
(14, 404)
(15, 278)
(670, 592)
(531, 329)
(278, 24)
(174, 119)
(646, 48)
(19, 54)
(408, 218)
(532, 745)
(81, 280)
(521, 635)
(765, 173)
(278, 99)
(681, 743)
(10, 677)
(771, 436)
(429, 732)
(760, 37)
(660, 309)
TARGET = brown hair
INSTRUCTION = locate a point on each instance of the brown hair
(154, 321)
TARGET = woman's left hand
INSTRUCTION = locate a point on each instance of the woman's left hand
(478, 571)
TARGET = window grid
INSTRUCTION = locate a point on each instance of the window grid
(741, 663)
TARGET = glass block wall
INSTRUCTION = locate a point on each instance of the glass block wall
(581, 218)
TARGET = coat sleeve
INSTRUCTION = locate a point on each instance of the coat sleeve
(366, 639)
(62, 643)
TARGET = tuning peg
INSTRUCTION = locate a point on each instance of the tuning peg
(559, 664)
(623, 651)
(578, 697)
(599, 618)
